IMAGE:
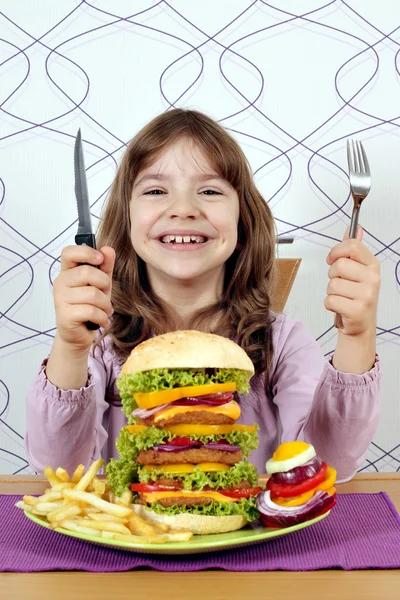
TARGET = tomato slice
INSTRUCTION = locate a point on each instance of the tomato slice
(180, 441)
(287, 490)
(241, 493)
(143, 488)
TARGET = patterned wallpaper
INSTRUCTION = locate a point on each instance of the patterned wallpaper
(291, 80)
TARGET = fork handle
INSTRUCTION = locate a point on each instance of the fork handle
(354, 223)
(352, 235)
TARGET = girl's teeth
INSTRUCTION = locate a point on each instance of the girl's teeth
(186, 239)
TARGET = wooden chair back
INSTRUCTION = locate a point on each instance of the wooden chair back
(287, 271)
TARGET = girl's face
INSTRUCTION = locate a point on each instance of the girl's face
(184, 216)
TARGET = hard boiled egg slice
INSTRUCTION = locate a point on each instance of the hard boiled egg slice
(290, 455)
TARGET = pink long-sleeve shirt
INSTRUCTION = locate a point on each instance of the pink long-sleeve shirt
(308, 399)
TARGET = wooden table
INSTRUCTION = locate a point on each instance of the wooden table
(207, 585)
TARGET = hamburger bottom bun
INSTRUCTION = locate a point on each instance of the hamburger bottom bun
(197, 524)
(187, 350)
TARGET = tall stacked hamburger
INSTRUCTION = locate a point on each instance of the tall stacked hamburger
(182, 454)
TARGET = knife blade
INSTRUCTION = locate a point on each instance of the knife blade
(84, 235)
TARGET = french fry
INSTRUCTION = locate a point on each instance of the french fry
(62, 474)
(31, 500)
(24, 506)
(77, 474)
(73, 526)
(159, 539)
(111, 497)
(141, 539)
(47, 507)
(40, 513)
(91, 510)
(63, 485)
(49, 496)
(103, 526)
(125, 499)
(66, 512)
(107, 507)
(89, 475)
(178, 536)
(133, 539)
(139, 526)
(51, 476)
(99, 487)
(99, 516)
(160, 527)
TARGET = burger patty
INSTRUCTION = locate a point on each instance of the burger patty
(201, 417)
(176, 484)
(192, 456)
(178, 501)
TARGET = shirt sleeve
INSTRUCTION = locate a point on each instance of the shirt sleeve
(338, 413)
(64, 427)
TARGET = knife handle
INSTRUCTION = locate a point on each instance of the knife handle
(87, 239)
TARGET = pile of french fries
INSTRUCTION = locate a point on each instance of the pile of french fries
(84, 504)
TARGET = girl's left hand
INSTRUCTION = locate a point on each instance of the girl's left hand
(354, 285)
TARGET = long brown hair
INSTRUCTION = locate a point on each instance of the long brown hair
(243, 310)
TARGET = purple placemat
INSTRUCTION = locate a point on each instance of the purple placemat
(362, 532)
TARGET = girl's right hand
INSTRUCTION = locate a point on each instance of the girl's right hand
(83, 293)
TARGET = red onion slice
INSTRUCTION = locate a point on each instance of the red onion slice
(173, 448)
(299, 474)
(207, 400)
(274, 515)
(145, 413)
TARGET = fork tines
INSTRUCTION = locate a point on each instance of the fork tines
(356, 157)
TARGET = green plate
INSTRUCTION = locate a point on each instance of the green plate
(251, 534)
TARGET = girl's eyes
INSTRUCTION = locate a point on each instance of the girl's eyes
(211, 192)
(154, 192)
(158, 192)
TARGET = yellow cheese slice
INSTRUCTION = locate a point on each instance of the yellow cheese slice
(231, 409)
(155, 496)
(153, 399)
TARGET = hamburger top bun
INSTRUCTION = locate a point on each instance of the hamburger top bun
(197, 524)
(187, 350)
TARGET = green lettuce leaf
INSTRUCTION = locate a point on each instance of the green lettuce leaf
(246, 506)
(130, 444)
(120, 474)
(165, 379)
(242, 471)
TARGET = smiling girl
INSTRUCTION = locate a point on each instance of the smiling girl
(188, 242)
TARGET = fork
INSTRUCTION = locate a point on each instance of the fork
(360, 185)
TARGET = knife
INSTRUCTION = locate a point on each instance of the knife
(85, 235)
